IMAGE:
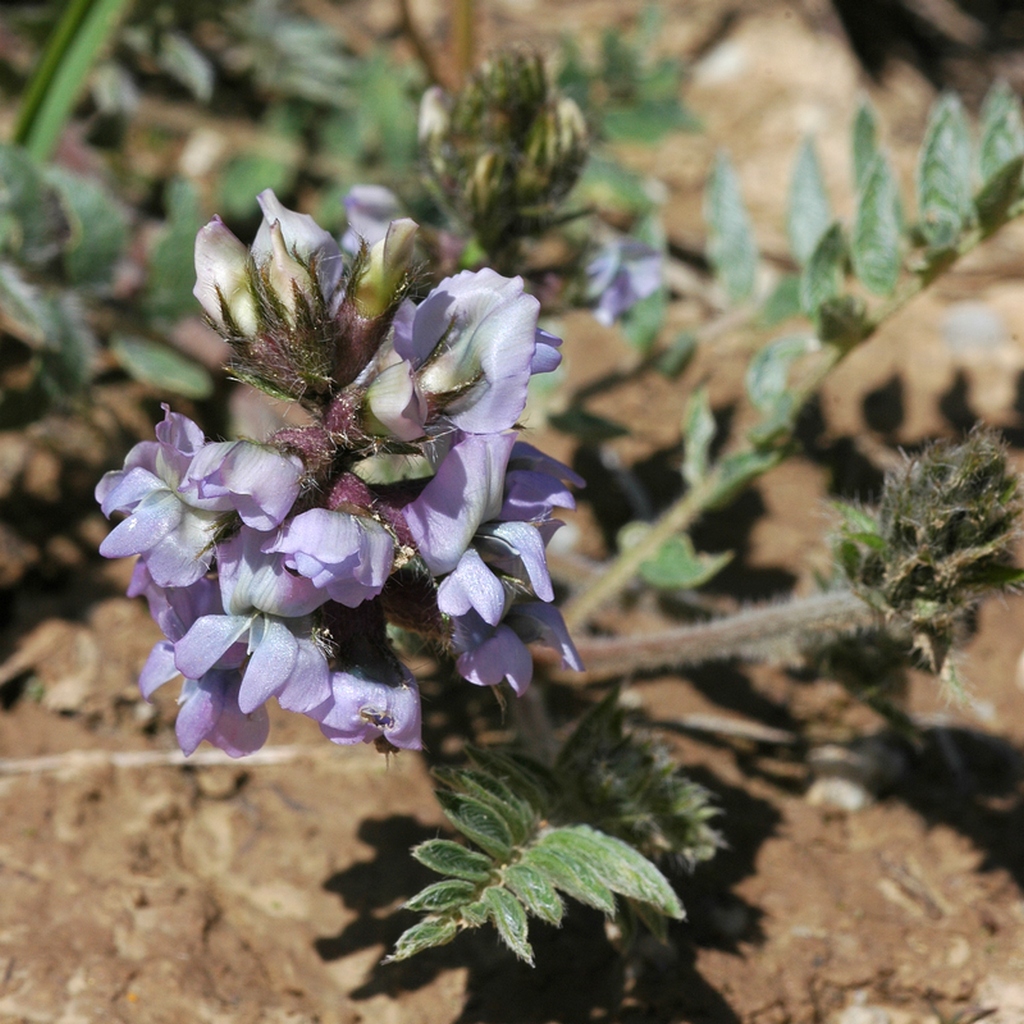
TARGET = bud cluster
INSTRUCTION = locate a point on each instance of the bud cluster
(941, 537)
(505, 150)
(274, 569)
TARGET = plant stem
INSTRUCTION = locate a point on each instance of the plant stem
(464, 38)
(687, 509)
(736, 635)
(427, 56)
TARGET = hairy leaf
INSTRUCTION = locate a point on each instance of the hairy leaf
(423, 935)
(441, 896)
(161, 366)
(1002, 131)
(477, 822)
(767, 377)
(732, 249)
(810, 213)
(450, 858)
(510, 919)
(783, 302)
(877, 230)
(864, 142)
(736, 471)
(517, 815)
(1000, 192)
(944, 174)
(698, 433)
(536, 893)
(575, 878)
(677, 566)
(99, 228)
(529, 780)
(823, 275)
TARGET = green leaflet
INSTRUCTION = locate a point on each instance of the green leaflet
(450, 858)
(678, 566)
(1002, 131)
(509, 917)
(875, 243)
(698, 433)
(441, 896)
(732, 249)
(537, 894)
(616, 864)
(810, 212)
(944, 174)
(864, 142)
(823, 274)
(478, 822)
(421, 936)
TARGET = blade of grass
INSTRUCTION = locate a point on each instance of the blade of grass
(80, 35)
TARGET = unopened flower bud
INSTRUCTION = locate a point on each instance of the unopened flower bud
(223, 285)
(434, 119)
(386, 268)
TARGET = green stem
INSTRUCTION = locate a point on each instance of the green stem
(687, 509)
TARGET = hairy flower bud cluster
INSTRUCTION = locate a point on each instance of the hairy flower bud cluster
(274, 569)
(942, 536)
(505, 149)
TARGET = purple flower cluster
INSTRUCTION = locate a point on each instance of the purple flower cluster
(275, 569)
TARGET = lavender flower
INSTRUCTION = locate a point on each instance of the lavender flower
(173, 535)
(345, 555)
(361, 709)
(622, 273)
(408, 499)
(472, 343)
(489, 654)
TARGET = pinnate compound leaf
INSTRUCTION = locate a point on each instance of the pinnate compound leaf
(575, 878)
(877, 230)
(1002, 131)
(450, 858)
(698, 432)
(677, 566)
(823, 275)
(441, 896)
(810, 213)
(423, 935)
(535, 892)
(509, 918)
(944, 174)
(478, 822)
(732, 249)
(618, 866)
(864, 142)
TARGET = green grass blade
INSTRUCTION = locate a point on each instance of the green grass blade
(57, 83)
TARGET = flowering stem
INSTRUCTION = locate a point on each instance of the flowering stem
(707, 492)
(767, 626)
